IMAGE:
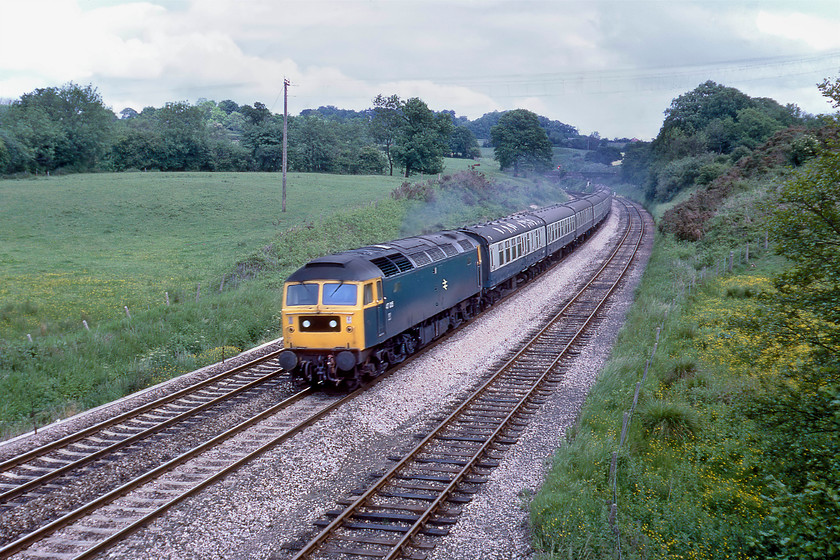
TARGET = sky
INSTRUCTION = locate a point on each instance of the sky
(611, 66)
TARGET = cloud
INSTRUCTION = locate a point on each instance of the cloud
(816, 32)
(598, 65)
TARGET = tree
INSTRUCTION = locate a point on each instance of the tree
(799, 410)
(463, 143)
(692, 111)
(66, 127)
(385, 123)
(520, 142)
(422, 137)
(228, 106)
(183, 136)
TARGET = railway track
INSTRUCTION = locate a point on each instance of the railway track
(402, 513)
(100, 524)
(44, 488)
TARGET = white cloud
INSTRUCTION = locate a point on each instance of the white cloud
(608, 66)
(817, 32)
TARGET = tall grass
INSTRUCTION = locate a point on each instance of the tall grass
(687, 481)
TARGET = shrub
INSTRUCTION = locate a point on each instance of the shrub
(668, 420)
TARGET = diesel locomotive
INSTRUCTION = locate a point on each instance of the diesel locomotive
(347, 317)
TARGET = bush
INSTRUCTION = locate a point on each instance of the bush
(666, 420)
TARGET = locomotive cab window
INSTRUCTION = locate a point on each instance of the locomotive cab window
(302, 294)
(368, 298)
(340, 294)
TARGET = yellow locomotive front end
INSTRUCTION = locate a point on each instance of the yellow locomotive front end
(322, 314)
(324, 327)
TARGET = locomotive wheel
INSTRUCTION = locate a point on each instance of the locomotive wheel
(410, 345)
(353, 380)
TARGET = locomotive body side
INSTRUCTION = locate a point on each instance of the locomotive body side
(445, 273)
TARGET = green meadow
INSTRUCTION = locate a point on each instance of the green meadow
(84, 246)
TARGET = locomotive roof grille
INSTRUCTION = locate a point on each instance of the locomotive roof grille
(449, 249)
(402, 262)
(465, 245)
(386, 266)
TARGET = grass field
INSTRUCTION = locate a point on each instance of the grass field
(83, 246)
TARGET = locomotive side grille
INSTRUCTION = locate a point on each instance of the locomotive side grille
(449, 249)
(386, 266)
(402, 262)
(436, 254)
(421, 258)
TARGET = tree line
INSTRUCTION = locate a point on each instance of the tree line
(70, 129)
(705, 133)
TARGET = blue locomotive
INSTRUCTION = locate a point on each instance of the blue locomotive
(348, 317)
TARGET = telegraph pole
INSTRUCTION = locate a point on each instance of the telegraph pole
(285, 129)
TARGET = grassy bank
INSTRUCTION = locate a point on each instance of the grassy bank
(81, 247)
(715, 459)
(685, 480)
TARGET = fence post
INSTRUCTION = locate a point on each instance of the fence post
(731, 260)
(84, 322)
(624, 428)
(167, 298)
(127, 312)
(197, 292)
(636, 396)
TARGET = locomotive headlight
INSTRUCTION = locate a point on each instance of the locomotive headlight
(349, 328)
(306, 323)
(291, 329)
(333, 324)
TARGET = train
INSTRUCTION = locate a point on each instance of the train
(348, 317)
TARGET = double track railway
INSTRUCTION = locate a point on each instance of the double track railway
(418, 499)
(49, 512)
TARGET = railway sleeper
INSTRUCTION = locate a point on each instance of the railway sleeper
(367, 552)
(381, 541)
(447, 512)
(484, 464)
(453, 499)
(392, 517)
(434, 531)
